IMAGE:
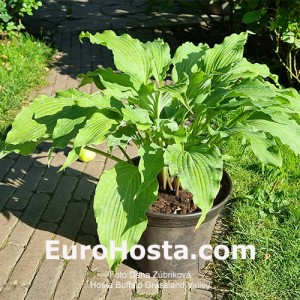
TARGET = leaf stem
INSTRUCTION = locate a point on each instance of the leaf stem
(177, 185)
(126, 155)
(164, 178)
(105, 154)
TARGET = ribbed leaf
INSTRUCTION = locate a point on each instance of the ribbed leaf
(94, 132)
(67, 128)
(26, 129)
(70, 94)
(224, 55)
(151, 163)
(138, 116)
(169, 129)
(154, 102)
(140, 60)
(260, 94)
(161, 58)
(35, 123)
(245, 69)
(121, 136)
(178, 91)
(119, 216)
(216, 96)
(199, 84)
(130, 55)
(46, 116)
(264, 148)
(292, 97)
(288, 131)
(107, 78)
(200, 171)
(186, 58)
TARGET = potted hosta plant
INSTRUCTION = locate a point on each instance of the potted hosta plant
(178, 111)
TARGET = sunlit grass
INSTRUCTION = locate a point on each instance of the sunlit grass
(265, 212)
(23, 67)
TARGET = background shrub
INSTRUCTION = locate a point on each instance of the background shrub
(281, 21)
(12, 11)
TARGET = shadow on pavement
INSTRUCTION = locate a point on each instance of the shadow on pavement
(60, 23)
(38, 196)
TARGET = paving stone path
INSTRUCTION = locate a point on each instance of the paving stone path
(39, 204)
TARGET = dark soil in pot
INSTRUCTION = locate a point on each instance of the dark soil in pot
(169, 203)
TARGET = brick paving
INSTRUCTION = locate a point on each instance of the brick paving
(39, 204)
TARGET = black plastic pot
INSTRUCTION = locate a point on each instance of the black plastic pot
(179, 230)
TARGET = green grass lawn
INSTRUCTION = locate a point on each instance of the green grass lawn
(265, 212)
(23, 67)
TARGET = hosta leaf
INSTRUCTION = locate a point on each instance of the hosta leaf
(96, 100)
(130, 55)
(121, 136)
(138, 116)
(67, 128)
(107, 78)
(186, 58)
(155, 102)
(216, 96)
(91, 77)
(199, 84)
(260, 94)
(245, 69)
(288, 131)
(119, 216)
(70, 93)
(169, 129)
(94, 132)
(200, 171)
(161, 58)
(58, 117)
(178, 92)
(151, 163)
(224, 55)
(26, 128)
(291, 96)
(35, 123)
(264, 148)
